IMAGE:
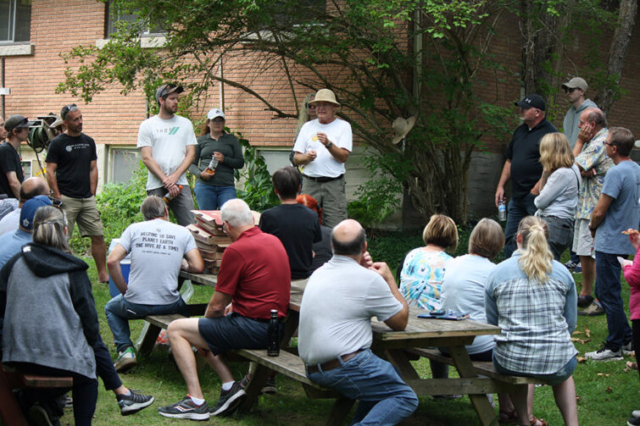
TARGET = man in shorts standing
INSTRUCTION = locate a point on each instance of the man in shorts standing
(72, 174)
(167, 143)
(254, 278)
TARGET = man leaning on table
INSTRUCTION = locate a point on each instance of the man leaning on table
(335, 333)
(254, 278)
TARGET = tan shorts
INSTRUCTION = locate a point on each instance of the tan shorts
(85, 212)
(582, 239)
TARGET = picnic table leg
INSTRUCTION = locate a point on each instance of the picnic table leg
(10, 412)
(252, 391)
(480, 402)
(340, 411)
(149, 339)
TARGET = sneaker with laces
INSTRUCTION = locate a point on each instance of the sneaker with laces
(186, 409)
(584, 301)
(633, 421)
(269, 386)
(570, 265)
(577, 269)
(628, 349)
(592, 310)
(126, 360)
(131, 404)
(604, 354)
(229, 400)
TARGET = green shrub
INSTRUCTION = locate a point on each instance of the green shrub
(258, 189)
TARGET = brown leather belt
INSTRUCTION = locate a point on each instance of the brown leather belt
(333, 364)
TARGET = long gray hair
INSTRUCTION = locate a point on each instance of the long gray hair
(49, 225)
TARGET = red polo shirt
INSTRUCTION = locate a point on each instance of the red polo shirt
(255, 273)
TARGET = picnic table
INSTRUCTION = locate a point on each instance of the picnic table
(396, 347)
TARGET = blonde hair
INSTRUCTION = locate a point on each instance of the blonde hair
(487, 239)
(555, 152)
(536, 257)
(49, 228)
(441, 231)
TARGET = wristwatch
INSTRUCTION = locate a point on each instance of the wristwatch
(329, 145)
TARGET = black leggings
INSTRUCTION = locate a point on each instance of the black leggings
(635, 325)
(85, 390)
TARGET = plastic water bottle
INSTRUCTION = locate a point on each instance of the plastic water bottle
(502, 211)
(211, 168)
(274, 334)
(167, 197)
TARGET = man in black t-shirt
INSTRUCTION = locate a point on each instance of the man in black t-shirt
(295, 225)
(72, 173)
(11, 175)
(523, 166)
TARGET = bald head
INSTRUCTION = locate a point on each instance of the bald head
(32, 187)
(348, 238)
(595, 116)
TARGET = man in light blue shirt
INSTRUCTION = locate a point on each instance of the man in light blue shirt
(616, 211)
(12, 242)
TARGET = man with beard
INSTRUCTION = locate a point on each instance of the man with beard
(167, 143)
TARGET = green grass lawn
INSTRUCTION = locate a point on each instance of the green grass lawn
(607, 394)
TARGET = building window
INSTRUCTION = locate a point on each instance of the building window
(123, 163)
(115, 15)
(26, 167)
(15, 21)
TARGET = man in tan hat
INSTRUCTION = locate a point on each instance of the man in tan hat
(322, 147)
(575, 90)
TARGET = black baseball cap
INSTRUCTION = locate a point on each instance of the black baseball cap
(532, 101)
(17, 121)
(167, 89)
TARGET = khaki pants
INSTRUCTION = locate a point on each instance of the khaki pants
(331, 197)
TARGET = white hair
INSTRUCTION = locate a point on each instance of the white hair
(237, 213)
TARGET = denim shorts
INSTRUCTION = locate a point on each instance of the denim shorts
(550, 379)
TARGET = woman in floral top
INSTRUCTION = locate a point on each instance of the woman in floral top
(423, 268)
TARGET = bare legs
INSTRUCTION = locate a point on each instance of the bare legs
(564, 394)
(588, 275)
(99, 253)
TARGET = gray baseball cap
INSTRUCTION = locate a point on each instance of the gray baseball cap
(17, 121)
(576, 83)
(167, 89)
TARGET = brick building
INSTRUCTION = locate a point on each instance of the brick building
(34, 34)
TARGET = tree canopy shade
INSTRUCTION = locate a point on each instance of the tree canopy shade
(383, 58)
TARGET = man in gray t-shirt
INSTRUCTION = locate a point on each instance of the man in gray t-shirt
(335, 328)
(617, 210)
(159, 249)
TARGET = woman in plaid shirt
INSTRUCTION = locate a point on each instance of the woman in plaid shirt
(533, 299)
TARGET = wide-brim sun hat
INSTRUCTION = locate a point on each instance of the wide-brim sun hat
(325, 95)
(402, 127)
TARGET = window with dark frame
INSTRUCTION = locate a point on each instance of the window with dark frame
(15, 21)
(113, 16)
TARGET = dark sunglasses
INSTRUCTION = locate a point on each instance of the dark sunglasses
(67, 109)
(567, 90)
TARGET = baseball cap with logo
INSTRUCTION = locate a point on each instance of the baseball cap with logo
(29, 209)
(17, 121)
(167, 89)
(214, 113)
(531, 101)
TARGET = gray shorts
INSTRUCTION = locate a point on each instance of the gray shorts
(582, 239)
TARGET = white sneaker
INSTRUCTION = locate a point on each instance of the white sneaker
(636, 413)
(126, 360)
(604, 354)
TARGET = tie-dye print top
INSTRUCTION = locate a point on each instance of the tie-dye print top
(421, 278)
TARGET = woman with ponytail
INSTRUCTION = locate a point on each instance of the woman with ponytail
(532, 298)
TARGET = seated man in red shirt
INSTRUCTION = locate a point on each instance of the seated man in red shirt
(254, 278)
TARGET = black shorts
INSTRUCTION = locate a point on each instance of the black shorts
(234, 331)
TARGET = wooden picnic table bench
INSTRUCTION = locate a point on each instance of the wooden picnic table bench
(11, 379)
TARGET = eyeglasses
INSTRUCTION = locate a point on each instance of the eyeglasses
(55, 201)
(67, 109)
(608, 143)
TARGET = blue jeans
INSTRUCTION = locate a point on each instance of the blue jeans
(517, 210)
(384, 398)
(213, 197)
(119, 312)
(608, 292)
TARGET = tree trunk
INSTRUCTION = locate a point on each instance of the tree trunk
(617, 54)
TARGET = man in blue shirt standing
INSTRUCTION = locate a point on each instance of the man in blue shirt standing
(617, 210)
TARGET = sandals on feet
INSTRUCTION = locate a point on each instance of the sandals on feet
(538, 422)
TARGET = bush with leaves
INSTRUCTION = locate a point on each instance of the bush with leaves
(258, 189)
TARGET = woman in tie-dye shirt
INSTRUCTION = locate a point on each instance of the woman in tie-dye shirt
(423, 268)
